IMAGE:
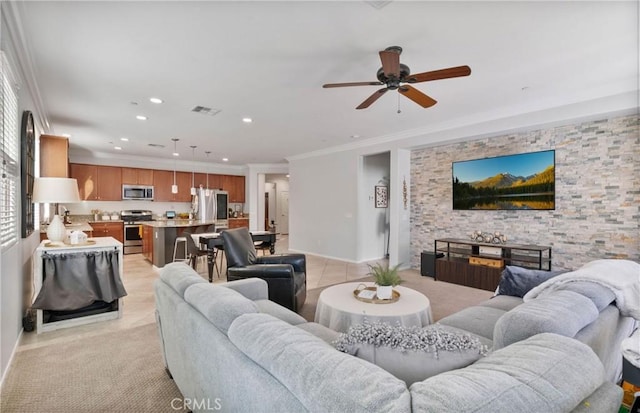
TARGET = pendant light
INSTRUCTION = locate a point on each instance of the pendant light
(174, 187)
(207, 192)
(193, 172)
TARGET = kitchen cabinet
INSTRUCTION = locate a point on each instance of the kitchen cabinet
(147, 243)
(235, 186)
(215, 181)
(238, 223)
(97, 182)
(137, 176)
(108, 229)
(54, 156)
(162, 181)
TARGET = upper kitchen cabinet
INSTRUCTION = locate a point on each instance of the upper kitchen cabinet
(54, 156)
(215, 181)
(235, 186)
(97, 182)
(162, 182)
(137, 176)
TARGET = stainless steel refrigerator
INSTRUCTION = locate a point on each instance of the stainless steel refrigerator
(213, 205)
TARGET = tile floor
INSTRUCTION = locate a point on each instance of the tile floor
(139, 304)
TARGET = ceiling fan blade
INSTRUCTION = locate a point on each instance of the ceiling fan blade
(353, 84)
(376, 95)
(457, 71)
(417, 96)
(390, 63)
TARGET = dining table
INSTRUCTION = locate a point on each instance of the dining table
(212, 240)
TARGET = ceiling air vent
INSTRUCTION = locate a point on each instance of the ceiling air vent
(155, 145)
(377, 4)
(206, 111)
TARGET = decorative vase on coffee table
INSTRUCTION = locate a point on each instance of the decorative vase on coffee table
(384, 292)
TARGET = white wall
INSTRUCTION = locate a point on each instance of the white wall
(323, 205)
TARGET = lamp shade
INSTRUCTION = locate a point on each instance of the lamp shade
(55, 190)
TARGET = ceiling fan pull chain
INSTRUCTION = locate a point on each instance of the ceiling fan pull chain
(399, 111)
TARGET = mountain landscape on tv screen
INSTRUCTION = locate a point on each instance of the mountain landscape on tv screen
(506, 191)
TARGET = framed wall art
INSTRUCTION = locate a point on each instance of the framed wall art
(381, 196)
(27, 172)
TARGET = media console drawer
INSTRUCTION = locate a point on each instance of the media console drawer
(495, 263)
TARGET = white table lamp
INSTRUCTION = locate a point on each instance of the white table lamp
(56, 190)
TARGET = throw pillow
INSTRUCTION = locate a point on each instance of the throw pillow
(517, 281)
(411, 354)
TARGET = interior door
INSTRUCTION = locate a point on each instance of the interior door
(282, 223)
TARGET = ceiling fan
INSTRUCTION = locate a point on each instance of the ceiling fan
(395, 75)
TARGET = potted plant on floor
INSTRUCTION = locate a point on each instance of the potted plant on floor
(386, 278)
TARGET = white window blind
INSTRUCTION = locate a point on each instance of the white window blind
(9, 152)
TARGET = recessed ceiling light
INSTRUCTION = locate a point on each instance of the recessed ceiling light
(155, 100)
(247, 120)
(355, 136)
(176, 154)
(225, 159)
(287, 175)
(140, 117)
(117, 148)
(124, 139)
(66, 135)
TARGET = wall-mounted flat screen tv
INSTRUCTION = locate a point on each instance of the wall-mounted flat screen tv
(520, 181)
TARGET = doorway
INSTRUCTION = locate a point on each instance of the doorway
(276, 189)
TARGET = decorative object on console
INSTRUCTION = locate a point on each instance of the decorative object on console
(382, 195)
(521, 181)
(386, 278)
(56, 190)
(488, 237)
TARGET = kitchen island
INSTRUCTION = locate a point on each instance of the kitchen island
(158, 238)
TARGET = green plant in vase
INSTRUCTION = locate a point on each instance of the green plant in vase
(386, 278)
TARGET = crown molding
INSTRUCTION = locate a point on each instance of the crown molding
(13, 12)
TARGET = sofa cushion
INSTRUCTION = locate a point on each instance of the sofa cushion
(324, 333)
(545, 373)
(411, 353)
(219, 305)
(561, 312)
(517, 281)
(179, 276)
(323, 379)
(502, 302)
(280, 312)
(479, 320)
(599, 294)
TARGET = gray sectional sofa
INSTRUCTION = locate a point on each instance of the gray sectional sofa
(229, 346)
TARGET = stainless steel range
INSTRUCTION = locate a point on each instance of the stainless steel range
(133, 220)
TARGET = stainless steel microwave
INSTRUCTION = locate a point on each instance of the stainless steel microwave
(141, 192)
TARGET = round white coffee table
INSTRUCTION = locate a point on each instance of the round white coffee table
(338, 309)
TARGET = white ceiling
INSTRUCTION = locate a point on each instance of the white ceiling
(268, 61)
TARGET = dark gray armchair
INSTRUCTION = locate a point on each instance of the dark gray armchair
(285, 274)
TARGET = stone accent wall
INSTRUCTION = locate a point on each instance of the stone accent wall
(597, 211)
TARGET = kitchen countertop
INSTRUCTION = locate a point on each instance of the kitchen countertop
(177, 223)
(76, 226)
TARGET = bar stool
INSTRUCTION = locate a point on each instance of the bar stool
(185, 254)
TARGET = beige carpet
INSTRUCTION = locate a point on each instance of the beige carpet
(112, 372)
